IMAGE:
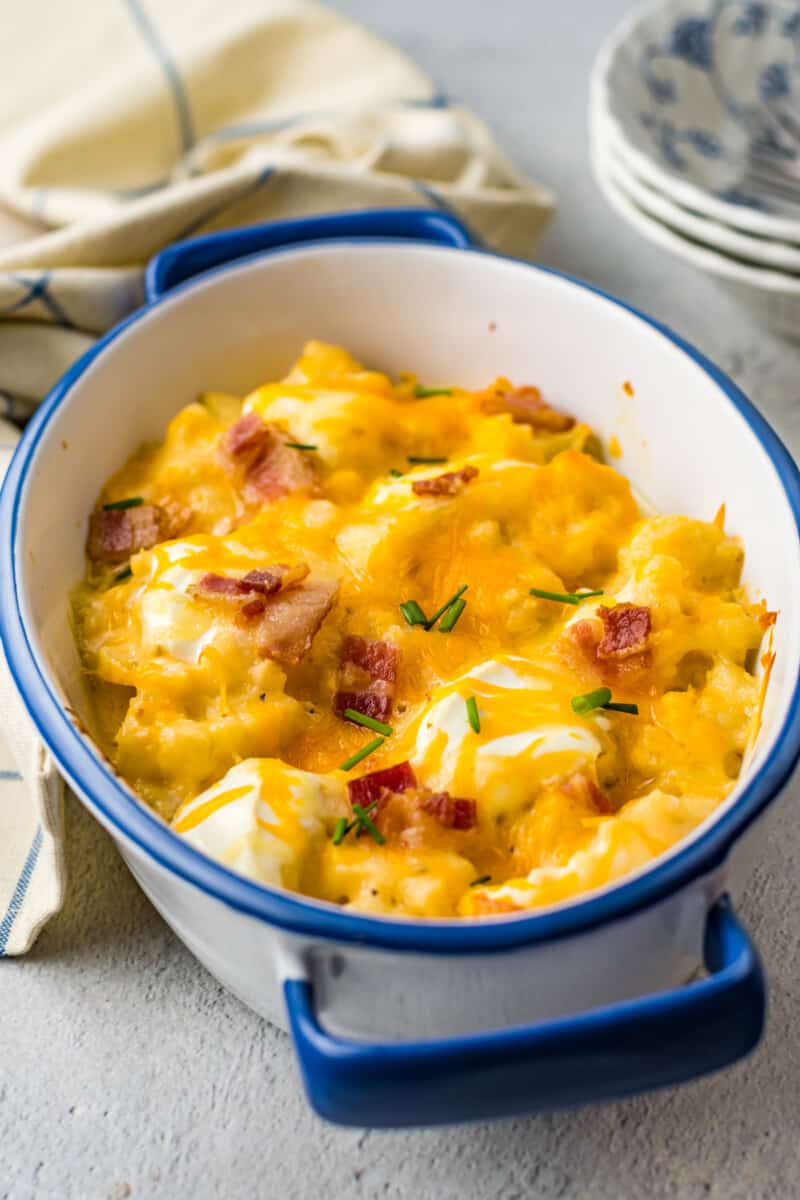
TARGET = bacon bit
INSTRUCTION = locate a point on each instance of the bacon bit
(627, 388)
(451, 812)
(583, 788)
(271, 468)
(387, 781)
(449, 484)
(245, 437)
(526, 406)
(253, 608)
(291, 620)
(380, 660)
(626, 628)
(371, 704)
(580, 646)
(367, 675)
(484, 905)
(262, 582)
(115, 534)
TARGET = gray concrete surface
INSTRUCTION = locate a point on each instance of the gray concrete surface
(125, 1070)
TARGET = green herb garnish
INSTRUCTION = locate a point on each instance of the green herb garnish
(441, 611)
(395, 473)
(563, 597)
(422, 392)
(451, 616)
(122, 575)
(365, 822)
(359, 718)
(361, 754)
(591, 700)
(342, 828)
(131, 502)
(421, 458)
(300, 445)
(339, 831)
(472, 714)
(413, 613)
(601, 698)
(481, 879)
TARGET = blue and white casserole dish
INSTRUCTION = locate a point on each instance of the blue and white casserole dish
(396, 1021)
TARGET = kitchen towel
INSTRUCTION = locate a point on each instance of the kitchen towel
(148, 121)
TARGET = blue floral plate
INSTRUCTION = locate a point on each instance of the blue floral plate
(703, 101)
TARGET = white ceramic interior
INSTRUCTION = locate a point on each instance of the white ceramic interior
(448, 315)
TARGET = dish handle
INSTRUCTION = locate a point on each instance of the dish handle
(183, 260)
(649, 1042)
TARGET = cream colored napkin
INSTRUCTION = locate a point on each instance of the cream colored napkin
(147, 121)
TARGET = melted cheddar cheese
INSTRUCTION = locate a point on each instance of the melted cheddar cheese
(240, 744)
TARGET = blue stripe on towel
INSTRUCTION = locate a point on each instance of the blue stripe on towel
(37, 289)
(20, 890)
(171, 73)
(9, 775)
(217, 209)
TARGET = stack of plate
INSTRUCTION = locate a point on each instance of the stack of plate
(695, 122)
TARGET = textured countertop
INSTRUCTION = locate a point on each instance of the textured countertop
(125, 1070)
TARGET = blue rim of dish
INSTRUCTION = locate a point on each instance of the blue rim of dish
(117, 807)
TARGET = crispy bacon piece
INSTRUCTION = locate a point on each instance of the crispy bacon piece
(265, 581)
(289, 611)
(390, 780)
(371, 704)
(526, 406)
(451, 812)
(290, 620)
(271, 468)
(580, 648)
(245, 437)
(584, 789)
(404, 811)
(115, 534)
(380, 660)
(626, 628)
(367, 676)
(449, 484)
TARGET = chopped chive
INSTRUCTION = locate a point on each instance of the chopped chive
(563, 597)
(125, 573)
(480, 879)
(591, 700)
(358, 718)
(472, 713)
(339, 831)
(300, 445)
(451, 616)
(421, 458)
(131, 502)
(633, 709)
(366, 822)
(441, 611)
(413, 613)
(361, 754)
(395, 473)
(423, 392)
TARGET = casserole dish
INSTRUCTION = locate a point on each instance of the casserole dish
(404, 1022)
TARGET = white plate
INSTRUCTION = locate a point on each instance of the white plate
(773, 298)
(759, 251)
(687, 98)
